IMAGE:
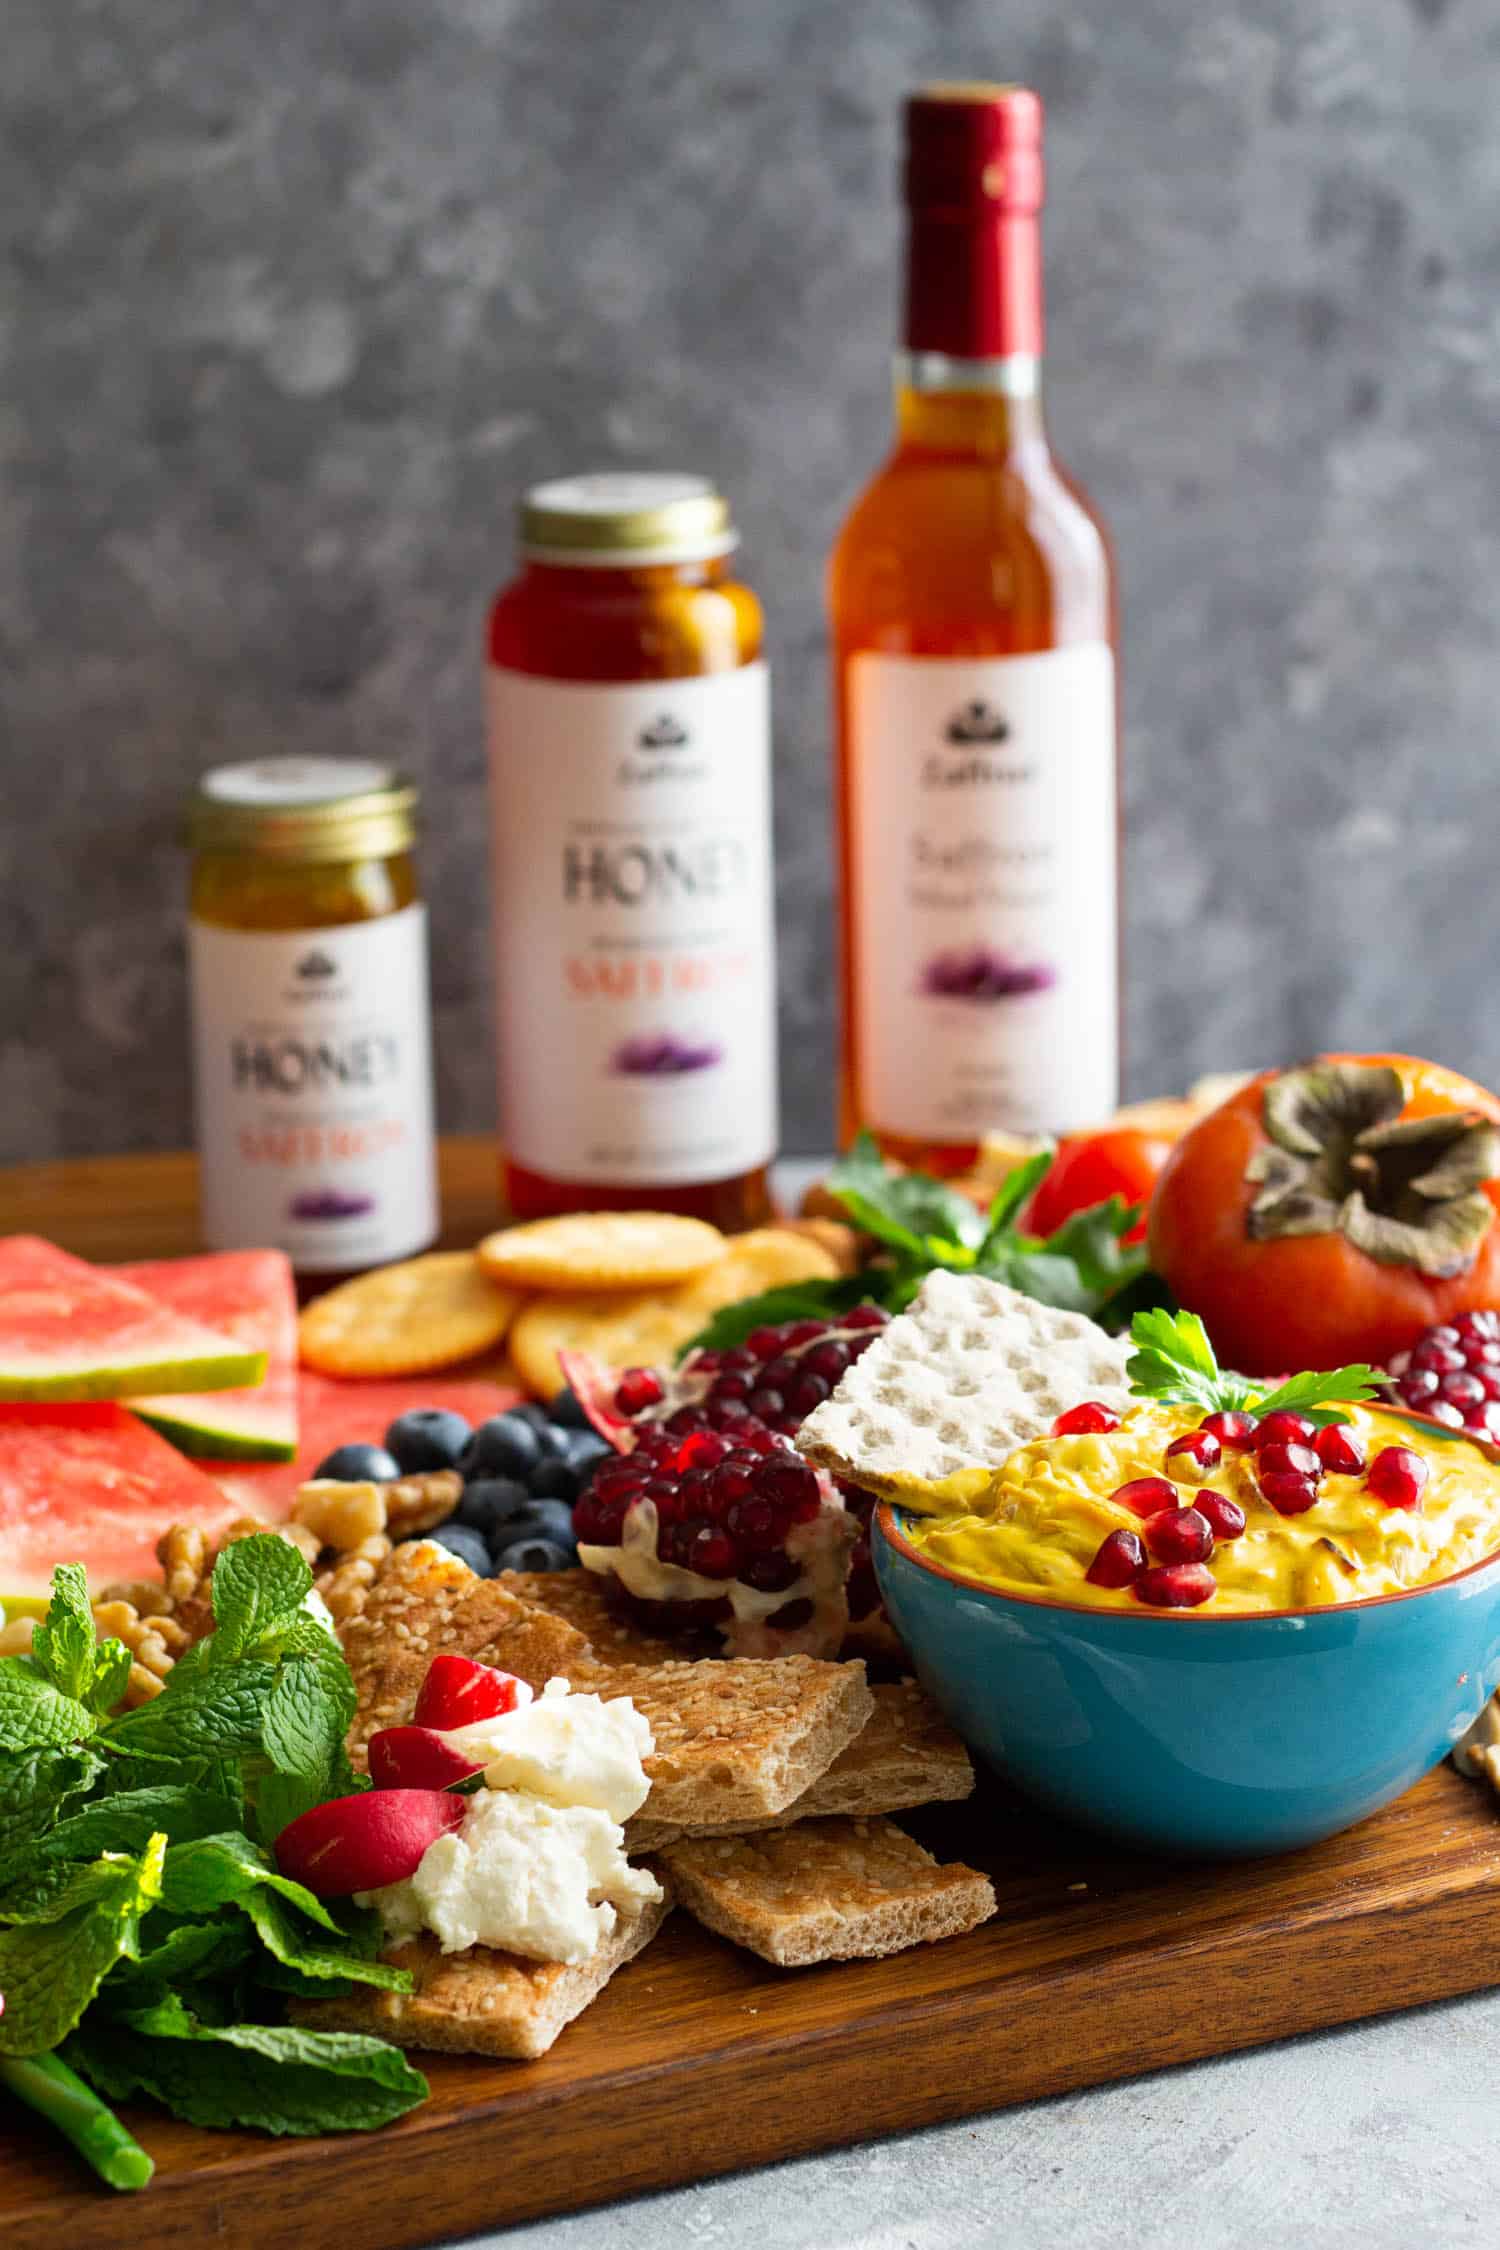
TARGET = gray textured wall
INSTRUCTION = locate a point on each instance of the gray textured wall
(295, 298)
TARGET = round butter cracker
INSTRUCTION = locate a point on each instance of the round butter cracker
(407, 1319)
(599, 1250)
(648, 1327)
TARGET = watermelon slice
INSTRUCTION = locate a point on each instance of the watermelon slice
(249, 1295)
(91, 1484)
(70, 1331)
(331, 1413)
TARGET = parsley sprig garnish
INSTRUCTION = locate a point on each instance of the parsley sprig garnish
(1174, 1361)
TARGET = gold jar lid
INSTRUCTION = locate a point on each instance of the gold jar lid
(309, 809)
(625, 516)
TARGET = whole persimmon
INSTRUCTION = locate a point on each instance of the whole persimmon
(1332, 1212)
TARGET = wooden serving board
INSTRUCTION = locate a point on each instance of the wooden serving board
(699, 2058)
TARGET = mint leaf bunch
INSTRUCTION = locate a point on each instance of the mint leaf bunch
(1174, 1362)
(145, 1927)
(920, 1223)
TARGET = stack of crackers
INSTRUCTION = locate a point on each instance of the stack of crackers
(628, 1287)
(772, 1783)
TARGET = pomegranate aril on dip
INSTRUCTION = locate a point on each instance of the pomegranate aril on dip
(1200, 1493)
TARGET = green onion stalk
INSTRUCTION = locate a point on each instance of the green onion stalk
(48, 2086)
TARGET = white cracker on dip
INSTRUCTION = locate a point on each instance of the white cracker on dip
(949, 1390)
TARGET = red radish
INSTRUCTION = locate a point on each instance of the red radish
(458, 1690)
(362, 1843)
(417, 1758)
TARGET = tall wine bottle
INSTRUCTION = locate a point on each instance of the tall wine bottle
(973, 608)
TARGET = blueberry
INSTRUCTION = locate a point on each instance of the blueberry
(466, 1544)
(505, 1446)
(555, 1480)
(358, 1464)
(547, 1519)
(586, 1447)
(539, 1554)
(429, 1437)
(489, 1501)
(554, 1442)
(536, 1415)
(566, 1411)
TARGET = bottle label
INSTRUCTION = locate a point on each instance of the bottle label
(635, 964)
(313, 1075)
(984, 867)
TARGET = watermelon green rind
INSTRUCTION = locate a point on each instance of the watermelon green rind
(69, 1332)
(249, 1295)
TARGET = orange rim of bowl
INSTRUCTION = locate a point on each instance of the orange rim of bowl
(890, 1530)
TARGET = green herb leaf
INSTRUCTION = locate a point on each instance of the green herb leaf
(51, 1969)
(1174, 1361)
(34, 1714)
(1315, 1395)
(922, 1217)
(35, 1788)
(209, 1714)
(215, 1871)
(259, 1586)
(1013, 1194)
(290, 1942)
(63, 1644)
(282, 2080)
(187, 1952)
(111, 1676)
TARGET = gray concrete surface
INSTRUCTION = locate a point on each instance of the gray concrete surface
(295, 299)
(1379, 2136)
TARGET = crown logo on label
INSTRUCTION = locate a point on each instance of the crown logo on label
(316, 967)
(978, 722)
(663, 733)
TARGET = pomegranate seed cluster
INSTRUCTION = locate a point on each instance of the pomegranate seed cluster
(1452, 1373)
(1165, 1563)
(720, 1469)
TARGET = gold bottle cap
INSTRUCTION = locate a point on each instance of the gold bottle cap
(623, 517)
(309, 809)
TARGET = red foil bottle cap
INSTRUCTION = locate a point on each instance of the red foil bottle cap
(973, 182)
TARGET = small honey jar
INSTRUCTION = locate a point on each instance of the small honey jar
(307, 951)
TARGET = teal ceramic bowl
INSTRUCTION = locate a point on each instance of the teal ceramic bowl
(1222, 1737)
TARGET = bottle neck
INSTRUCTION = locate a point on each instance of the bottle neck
(969, 375)
(991, 408)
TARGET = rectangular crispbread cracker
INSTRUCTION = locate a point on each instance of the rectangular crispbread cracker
(426, 1599)
(481, 2002)
(906, 1755)
(826, 1890)
(739, 1740)
(580, 1599)
(946, 1392)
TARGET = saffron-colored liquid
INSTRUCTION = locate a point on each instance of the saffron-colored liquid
(662, 621)
(971, 541)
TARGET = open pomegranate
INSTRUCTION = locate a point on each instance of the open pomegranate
(709, 1517)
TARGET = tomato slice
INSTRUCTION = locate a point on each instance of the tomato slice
(1091, 1167)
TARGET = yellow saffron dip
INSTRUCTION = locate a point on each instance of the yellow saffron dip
(1037, 1525)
